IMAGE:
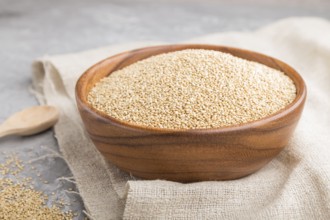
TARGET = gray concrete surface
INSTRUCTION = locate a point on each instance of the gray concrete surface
(32, 28)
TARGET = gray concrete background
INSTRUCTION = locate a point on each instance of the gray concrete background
(33, 28)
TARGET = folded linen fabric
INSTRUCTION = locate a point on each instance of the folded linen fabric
(295, 185)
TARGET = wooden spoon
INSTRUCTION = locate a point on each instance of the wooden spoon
(30, 121)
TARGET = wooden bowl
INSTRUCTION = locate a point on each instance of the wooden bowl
(188, 155)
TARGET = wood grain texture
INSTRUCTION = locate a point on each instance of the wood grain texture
(188, 155)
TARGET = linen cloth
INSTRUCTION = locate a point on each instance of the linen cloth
(294, 185)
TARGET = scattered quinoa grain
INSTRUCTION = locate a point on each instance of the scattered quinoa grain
(192, 89)
(19, 199)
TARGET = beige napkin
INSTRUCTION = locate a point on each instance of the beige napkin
(295, 185)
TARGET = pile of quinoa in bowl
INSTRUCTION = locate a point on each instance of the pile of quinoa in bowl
(192, 89)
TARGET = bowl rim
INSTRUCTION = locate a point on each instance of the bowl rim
(293, 75)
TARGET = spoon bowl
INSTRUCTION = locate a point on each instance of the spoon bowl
(30, 121)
